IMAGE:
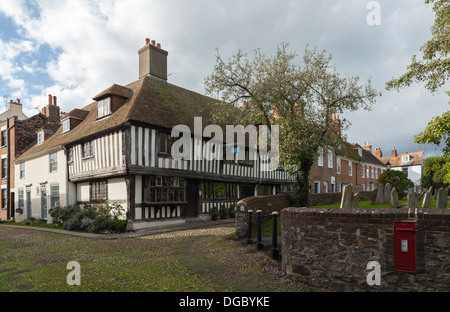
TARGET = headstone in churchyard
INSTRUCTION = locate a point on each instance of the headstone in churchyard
(387, 193)
(346, 197)
(412, 200)
(355, 198)
(441, 198)
(427, 198)
(394, 198)
(380, 194)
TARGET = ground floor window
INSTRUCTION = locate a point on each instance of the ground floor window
(157, 189)
(264, 190)
(99, 190)
(218, 190)
(4, 198)
(54, 195)
(317, 187)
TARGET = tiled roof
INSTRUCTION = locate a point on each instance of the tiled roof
(350, 150)
(416, 158)
(149, 101)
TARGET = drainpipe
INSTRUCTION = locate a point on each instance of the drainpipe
(9, 211)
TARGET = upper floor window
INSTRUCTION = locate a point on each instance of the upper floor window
(338, 164)
(40, 137)
(53, 162)
(4, 138)
(350, 168)
(405, 158)
(66, 125)
(320, 159)
(104, 107)
(330, 159)
(88, 150)
(22, 170)
(165, 143)
(363, 172)
(4, 168)
(70, 155)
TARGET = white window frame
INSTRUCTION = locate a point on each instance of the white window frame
(22, 171)
(53, 161)
(325, 186)
(350, 168)
(320, 158)
(338, 164)
(363, 172)
(104, 107)
(40, 137)
(330, 159)
(318, 188)
(88, 150)
(66, 125)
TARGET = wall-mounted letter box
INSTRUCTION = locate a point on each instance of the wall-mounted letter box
(405, 246)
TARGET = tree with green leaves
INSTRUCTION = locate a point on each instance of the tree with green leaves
(434, 172)
(434, 70)
(434, 66)
(301, 99)
(397, 179)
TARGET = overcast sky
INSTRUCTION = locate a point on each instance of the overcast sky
(75, 49)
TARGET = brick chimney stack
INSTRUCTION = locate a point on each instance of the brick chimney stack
(367, 146)
(378, 153)
(394, 152)
(52, 110)
(152, 60)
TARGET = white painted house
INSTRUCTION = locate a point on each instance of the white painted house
(409, 163)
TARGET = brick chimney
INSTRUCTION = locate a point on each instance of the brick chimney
(367, 146)
(152, 60)
(52, 110)
(394, 152)
(378, 153)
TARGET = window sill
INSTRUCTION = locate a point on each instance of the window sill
(87, 157)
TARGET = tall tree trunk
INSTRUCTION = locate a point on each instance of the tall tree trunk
(302, 197)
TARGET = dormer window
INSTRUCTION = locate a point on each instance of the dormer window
(405, 158)
(66, 125)
(104, 107)
(40, 137)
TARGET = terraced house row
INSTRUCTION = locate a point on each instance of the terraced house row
(119, 148)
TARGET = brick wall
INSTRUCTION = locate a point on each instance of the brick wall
(329, 249)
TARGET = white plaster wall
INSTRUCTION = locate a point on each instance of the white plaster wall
(37, 172)
(83, 192)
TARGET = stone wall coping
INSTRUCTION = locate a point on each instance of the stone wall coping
(361, 213)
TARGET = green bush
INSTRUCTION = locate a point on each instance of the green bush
(92, 218)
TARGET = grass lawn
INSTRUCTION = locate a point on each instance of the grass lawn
(206, 260)
(366, 204)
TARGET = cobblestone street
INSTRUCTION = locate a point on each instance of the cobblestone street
(205, 259)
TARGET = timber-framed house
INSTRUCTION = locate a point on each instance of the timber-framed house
(119, 148)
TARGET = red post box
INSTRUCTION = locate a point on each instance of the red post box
(405, 246)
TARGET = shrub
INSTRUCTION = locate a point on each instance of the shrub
(93, 218)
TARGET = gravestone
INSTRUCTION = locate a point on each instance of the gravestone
(427, 198)
(394, 198)
(380, 194)
(441, 198)
(346, 197)
(387, 193)
(355, 198)
(412, 200)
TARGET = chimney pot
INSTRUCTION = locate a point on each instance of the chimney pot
(158, 45)
(54, 100)
(153, 42)
(18, 101)
(147, 41)
(49, 99)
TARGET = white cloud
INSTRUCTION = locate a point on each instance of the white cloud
(96, 43)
